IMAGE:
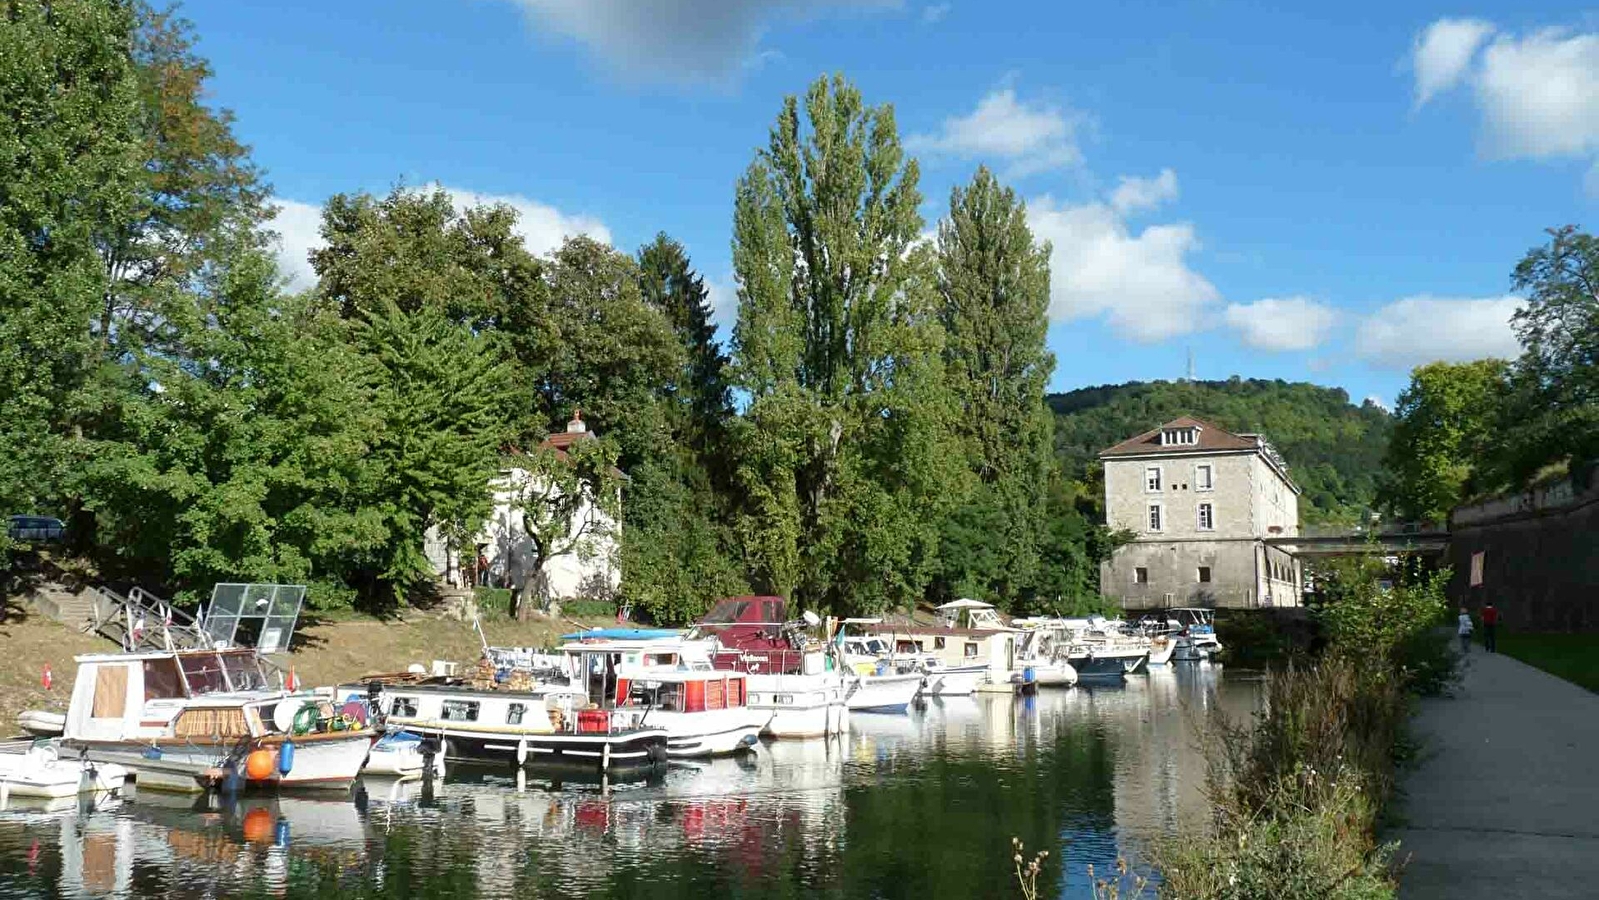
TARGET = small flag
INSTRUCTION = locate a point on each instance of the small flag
(47, 679)
(292, 683)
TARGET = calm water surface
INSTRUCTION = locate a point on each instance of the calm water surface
(920, 806)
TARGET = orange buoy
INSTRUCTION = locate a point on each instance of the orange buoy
(258, 765)
(258, 825)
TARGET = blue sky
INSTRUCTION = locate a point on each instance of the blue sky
(1331, 195)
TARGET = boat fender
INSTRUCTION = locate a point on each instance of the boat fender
(521, 752)
(305, 719)
(152, 753)
(286, 758)
(258, 765)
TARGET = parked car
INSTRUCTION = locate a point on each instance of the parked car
(35, 529)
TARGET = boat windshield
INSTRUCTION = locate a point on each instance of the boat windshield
(244, 670)
(203, 672)
(726, 612)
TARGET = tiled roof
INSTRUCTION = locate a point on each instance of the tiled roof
(1211, 438)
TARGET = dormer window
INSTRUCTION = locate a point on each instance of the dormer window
(1179, 437)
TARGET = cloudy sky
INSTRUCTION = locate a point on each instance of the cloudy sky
(1333, 195)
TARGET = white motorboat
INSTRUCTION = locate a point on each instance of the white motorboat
(41, 723)
(1161, 650)
(400, 754)
(1193, 629)
(941, 680)
(35, 769)
(889, 692)
(191, 720)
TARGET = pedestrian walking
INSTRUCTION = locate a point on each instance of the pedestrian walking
(1490, 623)
(1465, 631)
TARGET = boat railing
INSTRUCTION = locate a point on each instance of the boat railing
(141, 620)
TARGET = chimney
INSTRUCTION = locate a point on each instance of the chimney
(576, 426)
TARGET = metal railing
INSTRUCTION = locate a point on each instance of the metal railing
(143, 621)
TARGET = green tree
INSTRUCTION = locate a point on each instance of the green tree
(421, 288)
(1445, 423)
(994, 285)
(669, 283)
(69, 158)
(1551, 413)
(199, 195)
(241, 456)
(845, 463)
(592, 342)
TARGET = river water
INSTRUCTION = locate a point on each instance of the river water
(919, 806)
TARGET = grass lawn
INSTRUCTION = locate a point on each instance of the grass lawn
(1574, 657)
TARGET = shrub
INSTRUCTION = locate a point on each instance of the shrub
(1286, 849)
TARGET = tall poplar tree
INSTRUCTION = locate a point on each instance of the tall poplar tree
(993, 282)
(844, 462)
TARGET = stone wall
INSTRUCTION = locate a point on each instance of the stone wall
(1539, 560)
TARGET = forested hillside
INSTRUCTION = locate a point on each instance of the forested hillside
(1334, 448)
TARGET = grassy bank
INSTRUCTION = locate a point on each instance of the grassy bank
(1574, 657)
(327, 649)
(1298, 793)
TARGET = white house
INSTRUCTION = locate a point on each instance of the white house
(1201, 503)
(592, 568)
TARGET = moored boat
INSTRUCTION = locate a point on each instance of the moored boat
(35, 769)
(194, 719)
(790, 676)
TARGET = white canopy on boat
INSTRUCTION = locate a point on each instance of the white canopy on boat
(966, 603)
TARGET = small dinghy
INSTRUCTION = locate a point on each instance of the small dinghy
(39, 723)
(36, 769)
(398, 754)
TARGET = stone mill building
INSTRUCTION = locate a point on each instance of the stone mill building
(1202, 503)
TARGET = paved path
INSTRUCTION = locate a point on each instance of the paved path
(1505, 799)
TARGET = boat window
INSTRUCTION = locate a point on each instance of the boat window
(403, 706)
(735, 692)
(460, 711)
(162, 681)
(513, 714)
(669, 698)
(244, 672)
(726, 611)
(938, 643)
(110, 691)
(714, 695)
(203, 672)
(971, 649)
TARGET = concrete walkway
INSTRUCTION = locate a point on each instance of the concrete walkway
(1505, 799)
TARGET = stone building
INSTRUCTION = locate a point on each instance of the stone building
(1202, 503)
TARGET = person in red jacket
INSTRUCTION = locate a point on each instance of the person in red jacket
(1490, 619)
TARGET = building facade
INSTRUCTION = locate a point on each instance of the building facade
(590, 570)
(1201, 503)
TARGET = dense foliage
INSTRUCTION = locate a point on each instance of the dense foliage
(197, 423)
(1333, 448)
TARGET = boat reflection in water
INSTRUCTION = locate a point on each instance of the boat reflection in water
(922, 805)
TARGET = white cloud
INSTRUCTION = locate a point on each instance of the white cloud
(1418, 330)
(1442, 53)
(1282, 324)
(542, 227)
(1031, 138)
(298, 226)
(1378, 402)
(1138, 194)
(1540, 94)
(723, 295)
(676, 40)
(935, 12)
(1537, 93)
(1140, 282)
